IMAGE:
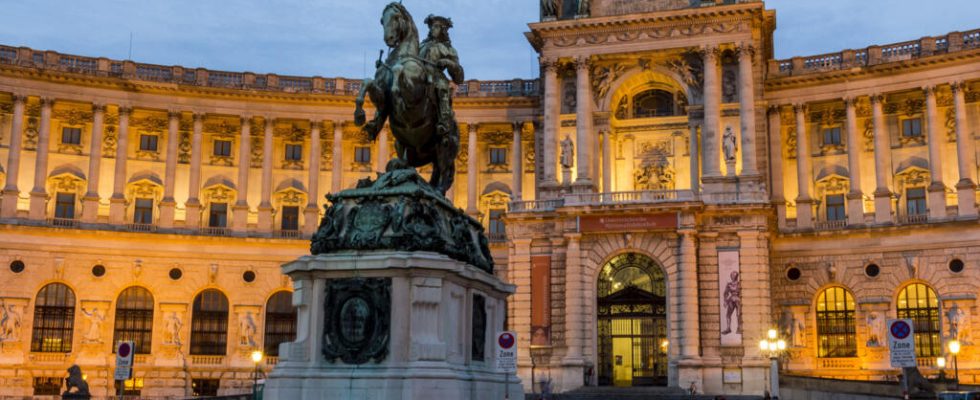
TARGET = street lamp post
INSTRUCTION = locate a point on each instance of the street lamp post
(256, 358)
(954, 348)
(773, 345)
(941, 364)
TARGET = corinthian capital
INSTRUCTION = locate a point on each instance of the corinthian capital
(550, 65)
(800, 108)
(582, 63)
(745, 49)
(709, 52)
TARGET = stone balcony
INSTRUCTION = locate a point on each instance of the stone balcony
(133, 71)
(875, 55)
(640, 197)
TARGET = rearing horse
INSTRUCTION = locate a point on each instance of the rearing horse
(403, 94)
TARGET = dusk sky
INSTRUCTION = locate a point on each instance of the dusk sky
(335, 37)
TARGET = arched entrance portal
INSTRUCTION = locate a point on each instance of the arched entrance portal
(632, 319)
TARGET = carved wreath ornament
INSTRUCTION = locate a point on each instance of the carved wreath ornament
(358, 320)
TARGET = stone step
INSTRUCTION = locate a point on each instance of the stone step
(644, 393)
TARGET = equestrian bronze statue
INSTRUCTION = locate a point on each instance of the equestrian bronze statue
(410, 91)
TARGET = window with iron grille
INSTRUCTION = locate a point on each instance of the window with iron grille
(222, 148)
(362, 154)
(498, 156)
(835, 207)
(836, 334)
(831, 136)
(46, 386)
(290, 218)
(218, 215)
(64, 206)
(149, 142)
(134, 319)
(294, 152)
(915, 201)
(280, 322)
(209, 324)
(205, 387)
(143, 212)
(71, 135)
(918, 302)
(54, 319)
(912, 127)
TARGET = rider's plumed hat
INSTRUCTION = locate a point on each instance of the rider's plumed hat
(431, 19)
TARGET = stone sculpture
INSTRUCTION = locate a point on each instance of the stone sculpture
(958, 320)
(549, 9)
(358, 312)
(246, 330)
(95, 320)
(406, 92)
(733, 304)
(10, 321)
(567, 153)
(75, 386)
(729, 144)
(876, 330)
(171, 329)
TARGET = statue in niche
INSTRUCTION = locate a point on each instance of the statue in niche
(787, 326)
(729, 144)
(75, 385)
(95, 320)
(246, 330)
(567, 159)
(171, 331)
(10, 321)
(876, 329)
(958, 323)
(733, 304)
(549, 9)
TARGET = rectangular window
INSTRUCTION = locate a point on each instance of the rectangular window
(71, 135)
(222, 148)
(496, 223)
(143, 213)
(831, 136)
(132, 387)
(835, 208)
(362, 154)
(218, 216)
(205, 387)
(290, 218)
(498, 156)
(294, 152)
(912, 127)
(44, 386)
(915, 201)
(64, 206)
(148, 142)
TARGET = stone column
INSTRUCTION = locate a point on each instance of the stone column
(337, 174)
(804, 176)
(934, 137)
(966, 188)
(471, 170)
(855, 197)
(883, 195)
(710, 134)
(746, 98)
(583, 125)
(239, 211)
(574, 328)
(517, 161)
(117, 203)
(193, 204)
(311, 215)
(606, 161)
(695, 162)
(551, 124)
(90, 202)
(687, 295)
(776, 155)
(11, 193)
(265, 207)
(381, 162)
(167, 204)
(39, 195)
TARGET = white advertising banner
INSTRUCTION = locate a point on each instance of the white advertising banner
(730, 291)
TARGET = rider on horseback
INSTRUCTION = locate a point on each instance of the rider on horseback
(437, 50)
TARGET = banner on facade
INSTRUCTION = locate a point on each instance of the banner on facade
(540, 300)
(627, 223)
(730, 291)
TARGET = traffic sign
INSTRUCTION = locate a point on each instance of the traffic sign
(124, 360)
(901, 343)
(507, 351)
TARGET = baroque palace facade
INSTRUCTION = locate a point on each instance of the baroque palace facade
(664, 182)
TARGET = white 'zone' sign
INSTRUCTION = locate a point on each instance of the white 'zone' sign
(507, 351)
(901, 343)
(124, 361)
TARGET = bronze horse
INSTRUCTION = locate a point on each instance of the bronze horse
(403, 94)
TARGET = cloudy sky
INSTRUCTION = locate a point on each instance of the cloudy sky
(340, 37)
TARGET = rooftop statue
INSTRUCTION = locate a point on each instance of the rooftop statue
(410, 91)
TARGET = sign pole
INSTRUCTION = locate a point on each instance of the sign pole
(506, 357)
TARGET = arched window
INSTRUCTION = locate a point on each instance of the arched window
(918, 302)
(134, 319)
(653, 103)
(835, 323)
(54, 319)
(209, 324)
(280, 322)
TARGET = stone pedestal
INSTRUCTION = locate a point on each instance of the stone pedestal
(393, 325)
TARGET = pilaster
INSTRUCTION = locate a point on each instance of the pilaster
(39, 195)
